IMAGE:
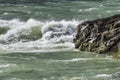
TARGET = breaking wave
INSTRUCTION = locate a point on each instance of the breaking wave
(35, 35)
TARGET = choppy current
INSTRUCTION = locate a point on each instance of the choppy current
(36, 40)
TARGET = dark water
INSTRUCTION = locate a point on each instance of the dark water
(58, 9)
(36, 40)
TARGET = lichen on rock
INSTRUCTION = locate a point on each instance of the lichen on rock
(100, 35)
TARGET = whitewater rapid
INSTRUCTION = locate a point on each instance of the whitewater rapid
(25, 36)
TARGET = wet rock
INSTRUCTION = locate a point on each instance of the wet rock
(100, 35)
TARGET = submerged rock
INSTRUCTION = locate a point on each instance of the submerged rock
(101, 35)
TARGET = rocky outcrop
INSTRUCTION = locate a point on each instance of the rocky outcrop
(100, 36)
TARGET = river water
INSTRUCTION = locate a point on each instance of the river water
(36, 40)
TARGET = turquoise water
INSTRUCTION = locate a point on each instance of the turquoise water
(58, 66)
(36, 40)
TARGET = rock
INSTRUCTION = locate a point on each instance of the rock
(100, 35)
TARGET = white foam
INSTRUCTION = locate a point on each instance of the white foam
(73, 78)
(56, 35)
(17, 27)
(103, 75)
(90, 9)
(5, 13)
(108, 11)
(15, 79)
(79, 59)
(80, 10)
(6, 65)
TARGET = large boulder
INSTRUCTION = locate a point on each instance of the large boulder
(100, 35)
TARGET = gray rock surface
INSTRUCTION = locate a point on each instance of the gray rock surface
(100, 35)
